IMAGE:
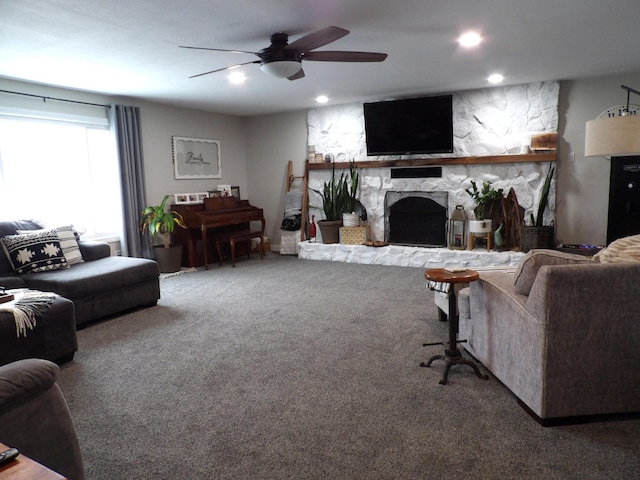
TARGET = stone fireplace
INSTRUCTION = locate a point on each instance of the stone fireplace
(416, 218)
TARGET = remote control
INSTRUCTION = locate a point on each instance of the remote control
(8, 455)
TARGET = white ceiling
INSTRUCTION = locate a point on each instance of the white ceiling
(130, 47)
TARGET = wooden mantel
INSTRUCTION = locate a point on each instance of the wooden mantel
(420, 162)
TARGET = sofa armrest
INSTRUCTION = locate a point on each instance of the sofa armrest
(13, 281)
(565, 293)
(94, 250)
(24, 380)
(35, 417)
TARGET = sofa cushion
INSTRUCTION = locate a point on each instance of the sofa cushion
(89, 278)
(34, 252)
(68, 241)
(534, 259)
(625, 249)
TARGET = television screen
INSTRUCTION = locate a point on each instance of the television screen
(409, 126)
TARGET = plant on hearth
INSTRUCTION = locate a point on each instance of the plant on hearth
(483, 198)
(544, 198)
(339, 195)
(161, 222)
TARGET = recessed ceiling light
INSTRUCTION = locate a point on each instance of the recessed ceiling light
(469, 39)
(495, 78)
(322, 99)
(237, 77)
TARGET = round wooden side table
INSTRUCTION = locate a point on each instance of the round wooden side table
(452, 354)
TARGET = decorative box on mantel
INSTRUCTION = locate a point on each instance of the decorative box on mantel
(354, 235)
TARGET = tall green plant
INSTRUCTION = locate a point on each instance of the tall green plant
(161, 222)
(339, 196)
(544, 198)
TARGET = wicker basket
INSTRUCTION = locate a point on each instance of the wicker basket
(536, 237)
(354, 235)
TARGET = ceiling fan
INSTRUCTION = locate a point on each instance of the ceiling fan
(284, 60)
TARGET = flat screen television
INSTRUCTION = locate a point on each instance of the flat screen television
(409, 126)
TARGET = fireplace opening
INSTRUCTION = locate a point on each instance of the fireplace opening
(416, 218)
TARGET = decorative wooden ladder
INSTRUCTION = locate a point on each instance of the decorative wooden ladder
(305, 184)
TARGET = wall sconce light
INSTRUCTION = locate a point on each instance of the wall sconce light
(458, 229)
(616, 131)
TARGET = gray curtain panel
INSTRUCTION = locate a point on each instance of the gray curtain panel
(126, 125)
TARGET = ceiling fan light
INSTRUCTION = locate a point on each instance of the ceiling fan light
(613, 137)
(281, 69)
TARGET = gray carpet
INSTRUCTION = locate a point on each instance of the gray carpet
(294, 369)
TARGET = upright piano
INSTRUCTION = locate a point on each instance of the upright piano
(212, 217)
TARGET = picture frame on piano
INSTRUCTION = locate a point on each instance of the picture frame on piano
(196, 158)
(235, 191)
(189, 198)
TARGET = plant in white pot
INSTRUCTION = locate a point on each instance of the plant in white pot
(162, 222)
(483, 199)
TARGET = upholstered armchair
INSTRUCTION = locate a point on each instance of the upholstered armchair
(35, 419)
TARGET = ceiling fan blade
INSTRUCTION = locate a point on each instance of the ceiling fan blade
(217, 49)
(224, 68)
(296, 76)
(344, 56)
(317, 39)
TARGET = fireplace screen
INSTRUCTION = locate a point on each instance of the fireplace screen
(416, 218)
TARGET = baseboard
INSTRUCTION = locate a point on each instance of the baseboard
(578, 419)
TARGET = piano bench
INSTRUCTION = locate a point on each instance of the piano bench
(242, 236)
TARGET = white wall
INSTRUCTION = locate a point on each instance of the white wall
(161, 122)
(583, 184)
(273, 140)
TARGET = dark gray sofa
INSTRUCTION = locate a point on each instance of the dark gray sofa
(101, 286)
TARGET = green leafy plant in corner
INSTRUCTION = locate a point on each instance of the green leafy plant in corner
(339, 195)
(544, 198)
(161, 222)
(483, 197)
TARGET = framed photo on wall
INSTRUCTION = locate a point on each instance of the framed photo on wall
(196, 158)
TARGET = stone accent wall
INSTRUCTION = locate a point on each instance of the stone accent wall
(493, 121)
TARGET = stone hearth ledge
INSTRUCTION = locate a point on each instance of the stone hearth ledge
(397, 255)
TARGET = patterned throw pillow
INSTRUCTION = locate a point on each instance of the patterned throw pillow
(34, 252)
(68, 237)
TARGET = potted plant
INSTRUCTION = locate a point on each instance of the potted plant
(337, 198)
(160, 222)
(538, 235)
(483, 199)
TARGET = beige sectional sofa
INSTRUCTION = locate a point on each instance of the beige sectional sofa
(562, 333)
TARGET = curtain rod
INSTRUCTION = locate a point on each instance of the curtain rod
(54, 98)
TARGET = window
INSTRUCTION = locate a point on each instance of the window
(60, 173)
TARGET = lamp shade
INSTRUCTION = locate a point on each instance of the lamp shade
(282, 69)
(613, 137)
